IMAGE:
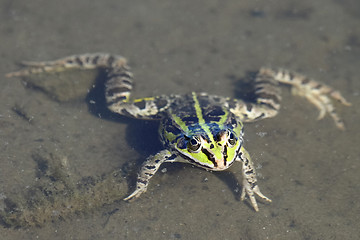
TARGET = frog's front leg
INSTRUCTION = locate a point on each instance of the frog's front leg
(148, 169)
(250, 186)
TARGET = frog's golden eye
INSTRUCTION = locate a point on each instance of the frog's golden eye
(194, 144)
(231, 138)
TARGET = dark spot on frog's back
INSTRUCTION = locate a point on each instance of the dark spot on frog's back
(204, 101)
(213, 113)
(172, 129)
(141, 105)
(190, 119)
(160, 103)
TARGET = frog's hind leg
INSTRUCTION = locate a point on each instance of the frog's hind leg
(267, 96)
(320, 95)
(117, 66)
(117, 92)
(265, 101)
(82, 61)
(118, 84)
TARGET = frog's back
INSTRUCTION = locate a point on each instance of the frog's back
(194, 113)
(194, 108)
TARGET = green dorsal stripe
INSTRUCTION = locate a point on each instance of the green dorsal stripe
(223, 118)
(200, 117)
(180, 122)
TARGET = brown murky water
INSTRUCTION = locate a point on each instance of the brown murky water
(54, 155)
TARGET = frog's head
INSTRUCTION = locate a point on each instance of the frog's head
(215, 151)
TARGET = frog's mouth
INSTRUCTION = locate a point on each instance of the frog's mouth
(210, 161)
(219, 164)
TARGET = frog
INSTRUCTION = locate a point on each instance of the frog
(198, 128)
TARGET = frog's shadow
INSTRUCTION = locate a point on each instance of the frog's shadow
(146, 145)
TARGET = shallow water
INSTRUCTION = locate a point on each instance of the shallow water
(309, 168)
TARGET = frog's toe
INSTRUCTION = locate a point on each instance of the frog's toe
(247, 190)
(135, 194)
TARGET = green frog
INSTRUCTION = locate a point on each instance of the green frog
(198, 128)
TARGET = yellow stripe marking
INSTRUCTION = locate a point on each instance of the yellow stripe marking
(201, 120)
(179, 122)
(144, 99)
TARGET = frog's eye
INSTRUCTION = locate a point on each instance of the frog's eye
(231, 138)
(194, 144)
